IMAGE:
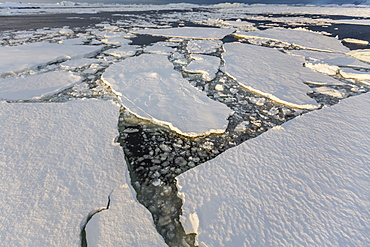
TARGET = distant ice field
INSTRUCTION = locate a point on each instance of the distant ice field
(184, 125)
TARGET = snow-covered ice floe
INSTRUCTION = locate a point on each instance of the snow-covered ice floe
(363, 55)
(150, 87)
(188, 32)
(205, 65)
(30, 56)
(299, 37)
(58, 163)
(271, 73)
(306, 182)
(28, 87)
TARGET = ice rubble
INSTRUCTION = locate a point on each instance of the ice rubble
(306, 183)
(300, 37)
(188, 32)
(42, 53)
(272, 73)
(27, 87)
(148, 84)
(57, 164)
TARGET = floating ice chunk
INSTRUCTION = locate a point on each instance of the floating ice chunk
(336, 59)
(356, 41)
(188, 32)
(330, 91)
(76, 63)
(271, 73)
(363, 55)
(323, 68)
(204, 46)
(116, 41)
(76, 41)
(300, 37)
(238, 23)
(15, 88)
(356, 22)
(123, 51)
(150, 87)
(117, 226)
(205, 65)
(304, 184)
(42, 53)
(159, 49)
(354, 74)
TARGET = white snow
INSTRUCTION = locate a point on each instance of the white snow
(354, 74)
(301, 37)
(159, 49)
(27, 87)
(205, 65)
(336, 59)
(188, 32)
(356, 41)
(203, 46)
(123, 51)
(272, 73)
(57, 163)
(124, 224)
(30, 56)
(151, 88)
(304, 184)
(363, 55)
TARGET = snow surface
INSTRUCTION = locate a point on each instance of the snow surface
(306, 183)
(206, 33)
(113, 227)
(301, 37)
(363, 55)
(42, 53)
(148, 84)
(27, 87)
(57, 163)
(271, 73)
(205, 65)
(203, 46)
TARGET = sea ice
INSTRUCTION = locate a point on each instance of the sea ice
(204, 46)
(123, 51)
(42, 53)
(205, 65)
(57, 163)
(150, 87)
(272, 73)
(363, 55)
(301, 37)
(188, 32)
(305, 183)
(28, 87)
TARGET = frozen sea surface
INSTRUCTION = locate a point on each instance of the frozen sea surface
(305, 183)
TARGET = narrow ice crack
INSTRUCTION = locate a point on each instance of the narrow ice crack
(83, 234)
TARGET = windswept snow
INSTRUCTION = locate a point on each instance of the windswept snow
(271, 72)
(204, 46)
(188, 32)
(57, 163)
(306, 183)
(299, 37)
(27, 87)
(151, 88)
(124, 224)
(42, 53)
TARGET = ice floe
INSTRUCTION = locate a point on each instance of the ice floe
(28, 87)
(150, 87)
(188, 32)
(17, 58)
(363, 55)
(58, 163)
(205, 65)
(300, 37)
(271, 73)
(306, 182)
(204, 46)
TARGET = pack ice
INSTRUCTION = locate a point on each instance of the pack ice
(150, 87)
(306, 183)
